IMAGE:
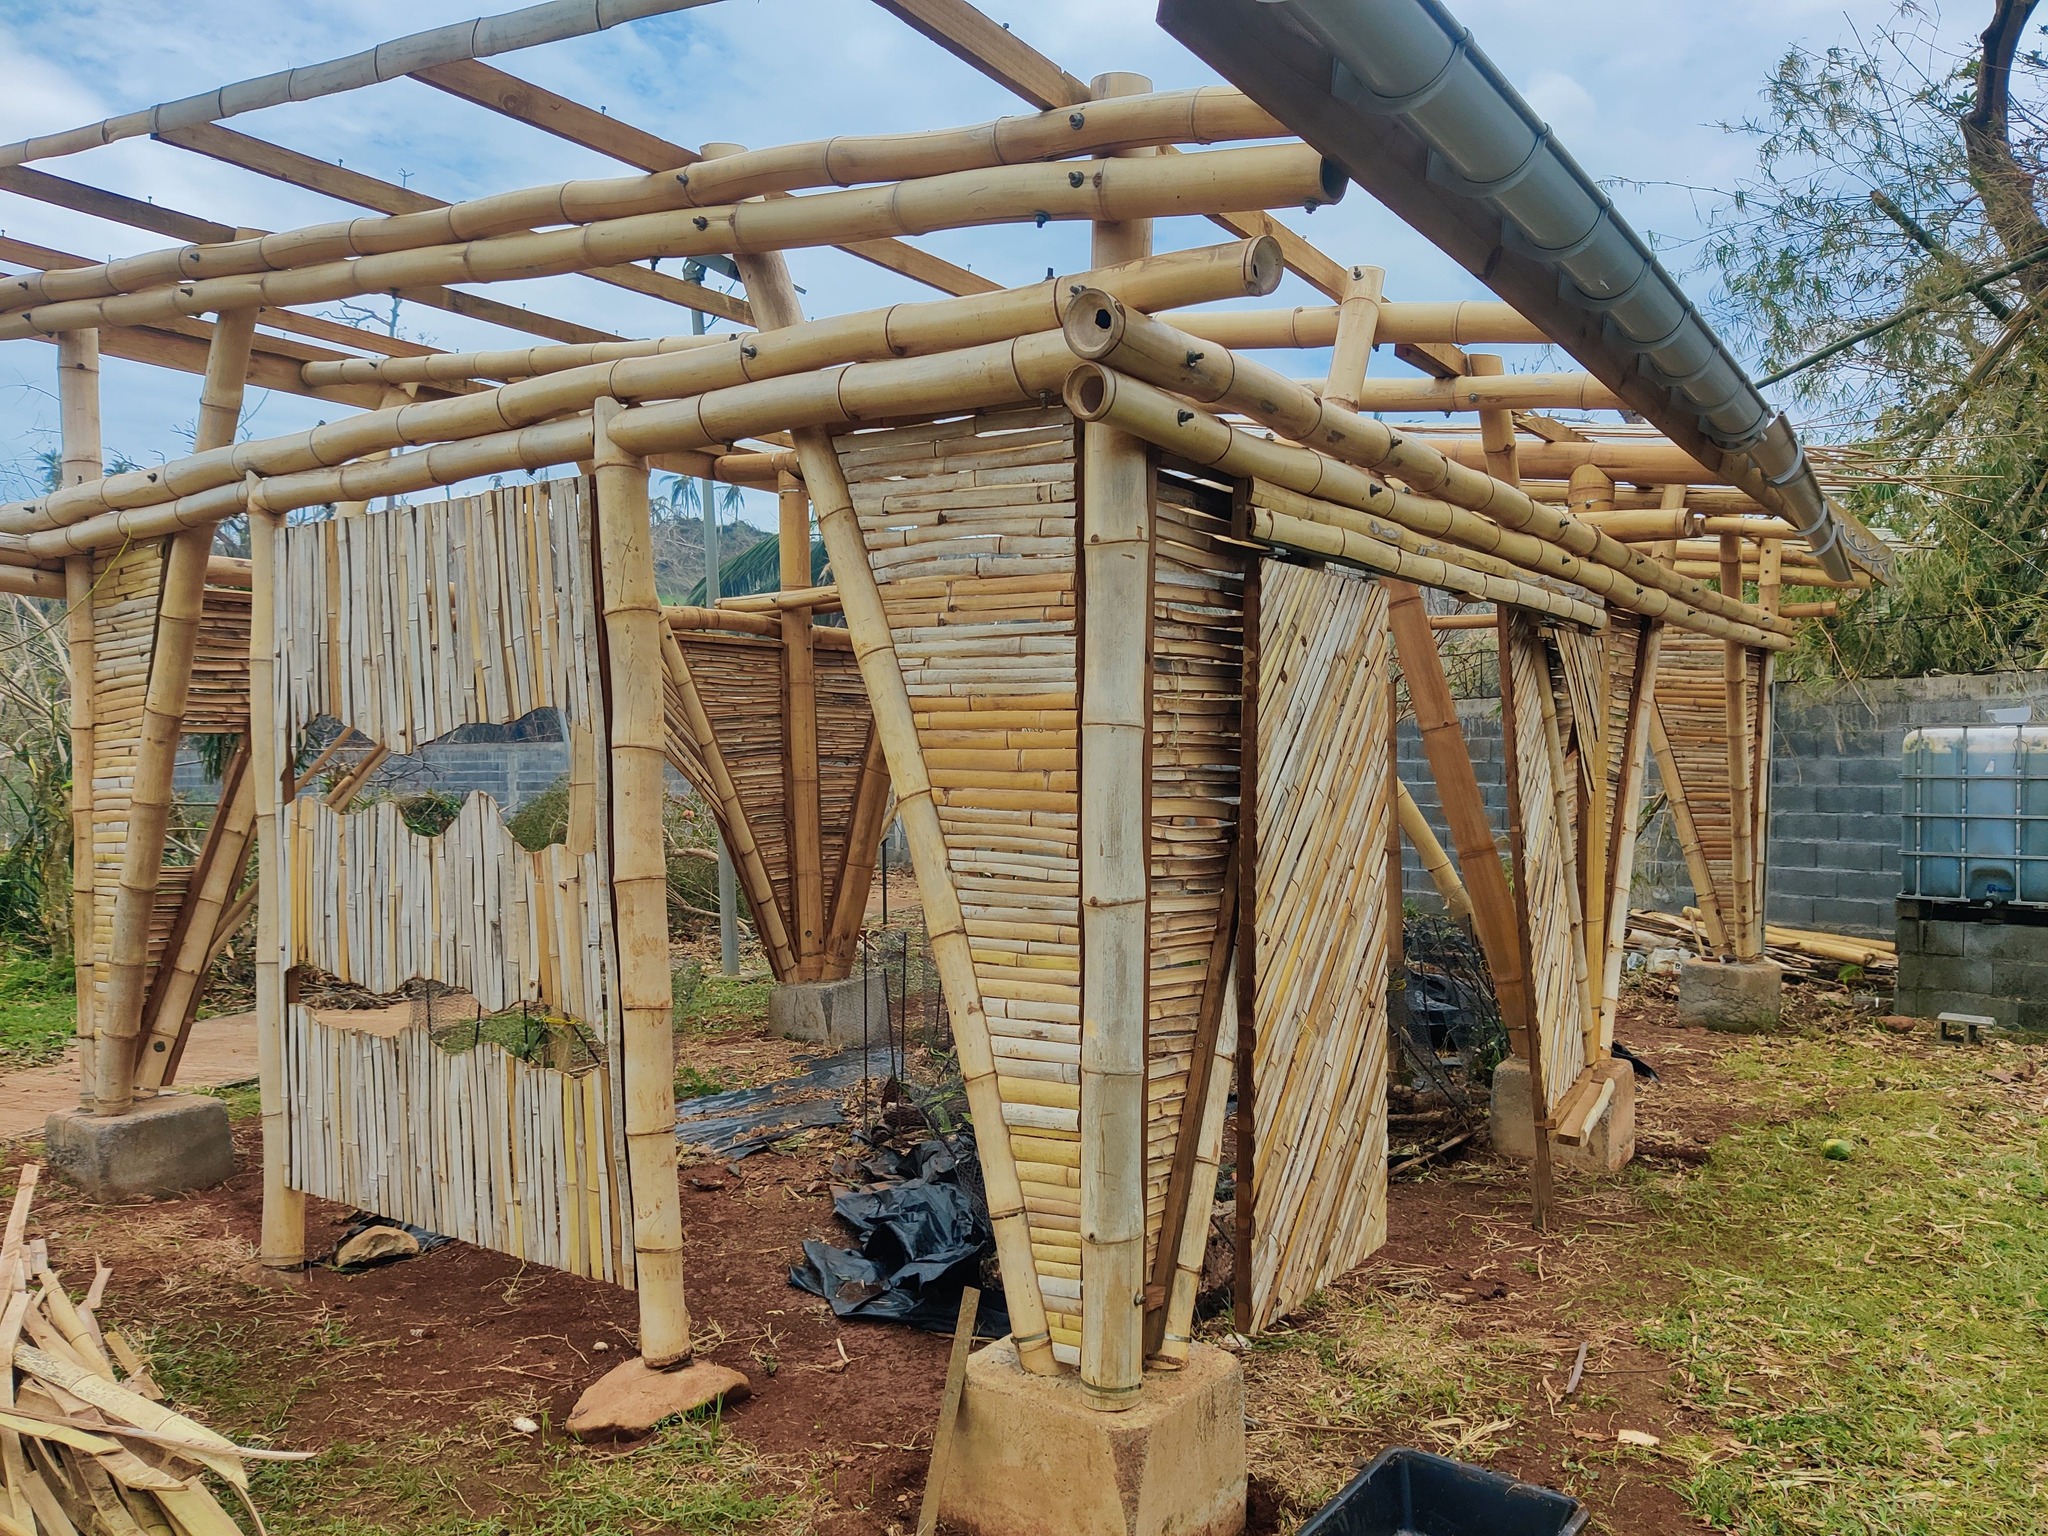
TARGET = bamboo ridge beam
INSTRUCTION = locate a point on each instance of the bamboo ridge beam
(1513, 391)
(1014, 144)
(1471, 321)
(1097, 393)
(530, 27)
(1109, 332)
(896, 331)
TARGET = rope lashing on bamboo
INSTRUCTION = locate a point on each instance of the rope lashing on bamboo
(1231, 270)
(1111, 333)
(1210, 114)
(1216, 181)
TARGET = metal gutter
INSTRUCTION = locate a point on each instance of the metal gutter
(1399, 94)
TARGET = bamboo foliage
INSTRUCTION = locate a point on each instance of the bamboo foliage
(1322, 914)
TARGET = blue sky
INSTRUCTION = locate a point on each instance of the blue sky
(1635, 88)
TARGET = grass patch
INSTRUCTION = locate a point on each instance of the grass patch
(1868, 1334)
(244, 1100)
(37, 1014)
(708, 1001)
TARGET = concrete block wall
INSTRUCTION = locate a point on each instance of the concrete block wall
(1997, 970)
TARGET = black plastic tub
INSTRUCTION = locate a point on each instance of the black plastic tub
(1412, 1493)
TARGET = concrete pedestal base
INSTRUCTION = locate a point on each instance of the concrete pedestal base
(1743, 997)
(163, 1146)
(1033, 1458)
(1609, 1142)
(830, 1012)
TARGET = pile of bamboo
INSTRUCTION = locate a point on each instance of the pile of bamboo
(1821, 955)
(88, 1446)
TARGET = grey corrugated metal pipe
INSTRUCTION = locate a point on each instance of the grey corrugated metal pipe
(1410, 59)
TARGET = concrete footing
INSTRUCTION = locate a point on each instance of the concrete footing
(163, 1146)
(1033, 1458)
(831, 1012)
(1609, 1142)
(1743, 997)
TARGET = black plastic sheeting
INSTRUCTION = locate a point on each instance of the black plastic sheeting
(922, 1233)
(747, 1120)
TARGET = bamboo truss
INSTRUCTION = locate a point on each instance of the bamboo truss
(1121, 613)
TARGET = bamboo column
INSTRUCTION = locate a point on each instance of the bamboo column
(163, 718)
(1539, 1088)
(633, 628)
(78, 404)
(1115, 750)
(1763, 715)
(1358, 319)
(283, 1241)
(800, 733)
(1743, 927)
(857, 859)
(1622, 836)
(80, 459)
(773, 297)
(1591, 491)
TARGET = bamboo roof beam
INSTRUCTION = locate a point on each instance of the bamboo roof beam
(538, 107)
(1211, 114)
(300, 170)
(1467, 392)
(550, 22)
(896, 331)
(1464, 322)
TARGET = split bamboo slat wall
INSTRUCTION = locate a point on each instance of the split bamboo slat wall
(1692, 703)
(741, 681)
(480, 1145)
(1197, 699)
(1556, 970)
(1325, 802)
(969, 529)
(127, 584)
(219, 700)
(405, 624)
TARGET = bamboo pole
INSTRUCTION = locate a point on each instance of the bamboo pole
(1763, 714)
(800, 733)
(1115, 599)
(633, 633)
(282, 1244)
(1101, 328)
(864, 831)
(1358, 318)
(1460, 323)
(170, 679)
(773, 296)
(1221, 180)
(1539, 1091)
(1689, 843)
(1628, 811)
(1742, 831)
(1435, 862)
(899, 331)
(81, 460)
(1474, 392)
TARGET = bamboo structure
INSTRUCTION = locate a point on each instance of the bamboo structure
(1122, 612)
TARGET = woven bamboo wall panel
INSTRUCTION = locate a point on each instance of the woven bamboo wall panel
(407, 624)
(478, 1145)
(124, 604)
(969, 527)
(375, 904)
(1197, 698)
(1325, 799)
(1556, 962)
(219, 699)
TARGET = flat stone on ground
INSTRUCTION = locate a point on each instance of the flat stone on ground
(630, 1399)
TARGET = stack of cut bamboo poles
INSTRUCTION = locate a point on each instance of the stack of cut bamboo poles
(969, 529)
(1324, 805)
(88, 1446)
(1799, 949)
(1197, 692)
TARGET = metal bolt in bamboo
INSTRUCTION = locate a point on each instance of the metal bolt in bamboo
(282, 1243)
(163, 716)
(633, 630)
(773, 296)
(896, 331)
(1105, 330)
(78, 402)
(1215, 181)
(1115, 529)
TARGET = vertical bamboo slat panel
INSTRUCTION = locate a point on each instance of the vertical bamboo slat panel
(1322, 910)
(1693, 761)
(81, 459)
(633, 628)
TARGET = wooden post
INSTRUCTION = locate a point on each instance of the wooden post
(633, 631)
(282, 1244)
(800, 733)
(773, 295)
(1115, 739)
(1539, 1094)
(163, 718)
(78, 404)
(1457, 787)
(1743, 928)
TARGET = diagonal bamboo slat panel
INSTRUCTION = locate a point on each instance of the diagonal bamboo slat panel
(1325, 801)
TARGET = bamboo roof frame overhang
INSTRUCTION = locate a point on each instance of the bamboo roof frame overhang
(1310, 59)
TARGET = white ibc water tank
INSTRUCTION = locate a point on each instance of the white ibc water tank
(1976, 825)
